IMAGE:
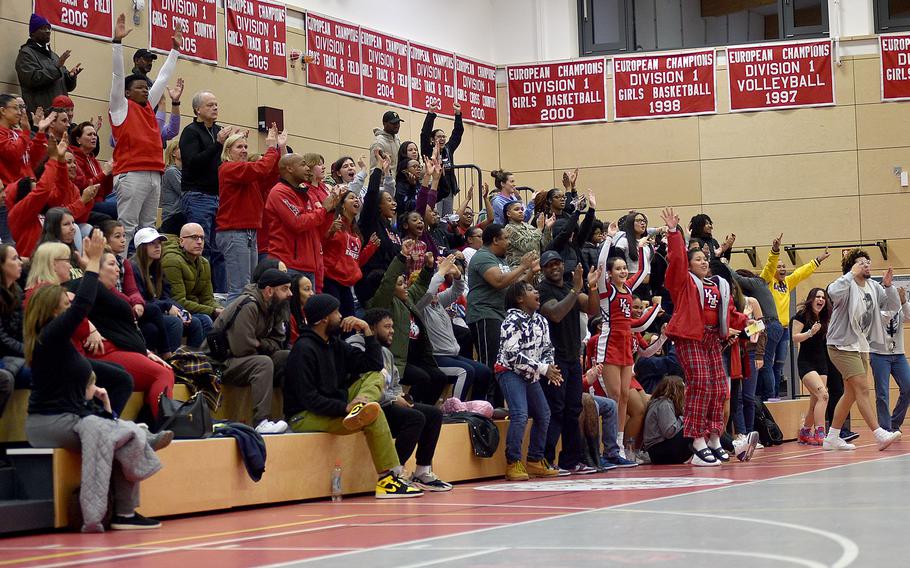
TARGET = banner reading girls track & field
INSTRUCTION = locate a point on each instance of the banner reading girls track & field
(256, 37)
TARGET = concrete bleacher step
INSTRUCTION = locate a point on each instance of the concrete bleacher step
(26, 495)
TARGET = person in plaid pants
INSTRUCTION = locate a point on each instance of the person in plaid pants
(704, 315)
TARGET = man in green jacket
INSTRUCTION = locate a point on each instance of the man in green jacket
(190, 276)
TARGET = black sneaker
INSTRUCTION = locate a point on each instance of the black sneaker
(134, 523)
(848, 435)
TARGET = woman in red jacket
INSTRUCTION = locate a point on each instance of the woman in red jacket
(242, 201)
(704, 316)
(83, 141)
(344, 253)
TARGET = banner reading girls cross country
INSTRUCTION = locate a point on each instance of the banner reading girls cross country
(334, 48)
(195, 18)
(671, 84)
(476, 91)
(780, 75)
(91, 18)
(568, 92)
(256, 37)
(432, 79)
(384, 68)
(895, 55)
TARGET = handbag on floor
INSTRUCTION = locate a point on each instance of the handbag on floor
(769, 433)
(188, 420)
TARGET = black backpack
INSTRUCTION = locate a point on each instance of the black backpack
(216, 339)
(769, 433)
(484, 433)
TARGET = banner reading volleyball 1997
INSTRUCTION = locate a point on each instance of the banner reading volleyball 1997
(569, 92)
(333, 48)
(384, 67)
(92, 18)
(195, 18)
(780, 75)
(432, 79)
(671, 84)
(895, 54)
(476, 90)
(256, 37)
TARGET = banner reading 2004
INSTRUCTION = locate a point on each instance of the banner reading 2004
(257, 37)
(569, 92)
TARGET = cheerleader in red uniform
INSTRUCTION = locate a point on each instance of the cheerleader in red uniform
(703, 318)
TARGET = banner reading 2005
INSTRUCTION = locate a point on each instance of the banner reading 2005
(92, 18)
(780, 75)
(257, 37)
(557, 93)
(195, 18)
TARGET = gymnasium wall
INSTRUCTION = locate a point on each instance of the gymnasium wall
(821, 175)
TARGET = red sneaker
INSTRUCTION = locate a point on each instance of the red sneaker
(805, 437)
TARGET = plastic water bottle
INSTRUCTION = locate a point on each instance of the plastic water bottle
(336, 483)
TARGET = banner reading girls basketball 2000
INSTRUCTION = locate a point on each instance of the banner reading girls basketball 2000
(569, 92)
(333, 48)
(384, 68)
(895, 54)
(195, 18)
(257, 37)
(672, 84)
(476, 90)
(92, 18)
(780, 75)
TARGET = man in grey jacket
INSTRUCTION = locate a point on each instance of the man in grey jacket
(387, 139)
(856, 305)
(42, 73)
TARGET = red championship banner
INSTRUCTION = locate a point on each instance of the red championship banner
(195, 18)
(334, 47)
(256, 37)
(432, 79)
(569, 92)
(476, 90)
(92, 18)
(895, 54)
(671, 84)
(384, 68)
(780, 75)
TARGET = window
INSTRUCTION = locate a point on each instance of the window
(892, 15)
(616, 26)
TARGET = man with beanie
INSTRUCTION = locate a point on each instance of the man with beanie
(138, 160)
(256, 339)
(387, 140)
(42, 73)
(334, 387)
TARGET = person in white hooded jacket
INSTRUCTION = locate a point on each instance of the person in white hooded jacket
(387, 140)
(856, 323)
(888, 360)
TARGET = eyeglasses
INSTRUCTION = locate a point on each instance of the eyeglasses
(194, 237)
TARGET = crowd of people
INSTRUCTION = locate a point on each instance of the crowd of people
(355, 289)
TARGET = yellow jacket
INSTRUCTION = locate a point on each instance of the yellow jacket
(781, 290)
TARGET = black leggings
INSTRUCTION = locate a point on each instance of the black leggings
(115, 380)
(427, 383)
(417, 426)
(486, 339)
(671, 451)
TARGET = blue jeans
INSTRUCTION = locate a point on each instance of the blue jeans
(196, 332)
(884, 367)
(524, 398)
(201, 208)
(606, 408)
(474, 374)
(769, 375)
(240, 258)
(749, 398)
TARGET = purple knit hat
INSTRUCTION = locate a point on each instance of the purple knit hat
(36, 23)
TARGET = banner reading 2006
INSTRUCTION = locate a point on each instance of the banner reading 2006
(557, 93)
(257, 37)
(92, 18)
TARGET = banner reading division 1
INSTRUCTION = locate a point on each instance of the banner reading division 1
(654, 86)
(256, 37)
(334, 47)
(476, 90)
(557, 93)
(780, 75)
(895, 54)
(432, 79)
(88, 18)
(384, 67)
(195, 18)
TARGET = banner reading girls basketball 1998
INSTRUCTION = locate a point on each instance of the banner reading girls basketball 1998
(672, 84)
(780, 75)
(569, 92)
(895, 54)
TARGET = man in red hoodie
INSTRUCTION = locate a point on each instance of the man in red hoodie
(298, 220)
(138, 160)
